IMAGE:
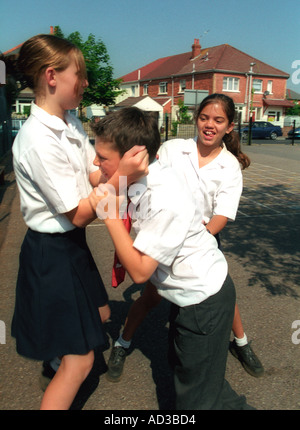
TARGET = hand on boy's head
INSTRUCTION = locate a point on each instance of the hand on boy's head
(134, 164)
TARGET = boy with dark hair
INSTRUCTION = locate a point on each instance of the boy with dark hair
(173, 249)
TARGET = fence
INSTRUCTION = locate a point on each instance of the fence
(8, 131)
(5, 137)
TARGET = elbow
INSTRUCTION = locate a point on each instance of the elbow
(79, 224)
(139, 278)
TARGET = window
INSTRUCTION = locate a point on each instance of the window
(257, 85)
(146, 89)
(163, 87)
(182, 85)
(273, 116)
(238, 113)
(133, 90)
(231, 84)
(270, 87)
(258, 113)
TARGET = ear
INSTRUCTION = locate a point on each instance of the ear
(230, 128)
(50, 75)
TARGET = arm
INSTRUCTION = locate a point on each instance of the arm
(96, 178)
(139, 266)
(216, 224)
(133, 165)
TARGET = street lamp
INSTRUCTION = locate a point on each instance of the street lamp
(249, 113)
(250, 73)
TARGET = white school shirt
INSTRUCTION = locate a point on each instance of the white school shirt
(52, 162)
(168, 225)
(220, 182)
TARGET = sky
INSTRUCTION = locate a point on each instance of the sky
(137, 32)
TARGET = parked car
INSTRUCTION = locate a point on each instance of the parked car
(297, 133)
(263, 129)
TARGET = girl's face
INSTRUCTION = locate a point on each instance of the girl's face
(70, 86)
(107, 158)
(213, 124)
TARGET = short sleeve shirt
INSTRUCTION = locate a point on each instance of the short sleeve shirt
(52, 163)
(169, 229)
(219, 184)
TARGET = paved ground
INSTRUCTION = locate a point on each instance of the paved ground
(262, 248)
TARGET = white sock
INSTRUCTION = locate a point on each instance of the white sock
(55, 363)
(121, 342)
(241, 341)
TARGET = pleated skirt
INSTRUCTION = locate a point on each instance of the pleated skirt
(58, 292)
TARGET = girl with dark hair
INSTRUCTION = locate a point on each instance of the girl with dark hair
(218, 159)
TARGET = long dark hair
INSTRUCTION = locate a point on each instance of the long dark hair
(231, 140)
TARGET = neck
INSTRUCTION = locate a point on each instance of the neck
(207, 153)
(50, 107)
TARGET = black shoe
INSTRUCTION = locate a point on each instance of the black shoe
(247, 357)
(116, 363)
(47, 375)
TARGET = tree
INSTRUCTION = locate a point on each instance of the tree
(183, 113)
(295, 110)
(102, 89)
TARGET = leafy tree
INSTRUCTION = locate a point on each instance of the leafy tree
(183, 113)
(295, 110)
(102, 89)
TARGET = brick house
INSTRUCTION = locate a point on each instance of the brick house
(223, 69)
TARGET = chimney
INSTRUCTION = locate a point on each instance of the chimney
(196, 48)
(51, 29)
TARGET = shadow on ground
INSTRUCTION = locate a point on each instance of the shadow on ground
(268, 246)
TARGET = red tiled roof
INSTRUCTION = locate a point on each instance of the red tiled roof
(162, 101)
(130, 101)
(218, 58)
(292, 95)
(13, 51)
(272, 102)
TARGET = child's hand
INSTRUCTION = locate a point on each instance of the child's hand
(106, 203)
(94, 199)
(134, 164)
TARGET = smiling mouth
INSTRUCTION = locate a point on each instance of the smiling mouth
(208, 133)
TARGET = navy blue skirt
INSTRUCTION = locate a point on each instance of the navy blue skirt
(58, 292)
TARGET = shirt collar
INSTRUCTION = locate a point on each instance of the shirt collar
(220, 159)
(138, 189)
(55, 123)
(51, 121)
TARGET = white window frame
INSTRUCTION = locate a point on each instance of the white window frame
(182, 85)
(270, 87)
(145, 89)
(260, 84)
(231, 84)
(163, 88)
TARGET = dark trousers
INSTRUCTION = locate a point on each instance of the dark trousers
(199, 339)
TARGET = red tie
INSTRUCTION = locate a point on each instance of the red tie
(118, 271)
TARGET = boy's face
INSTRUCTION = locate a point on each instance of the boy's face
(107, 158)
